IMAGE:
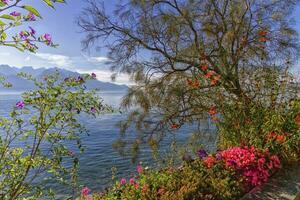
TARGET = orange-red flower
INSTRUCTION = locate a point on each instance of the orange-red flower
(263, 39)
(297, 120)
(213, 82)
(209, 74)
(213, 111)
(280, 138)
(263, 33)
(175, 126)
(272, 135)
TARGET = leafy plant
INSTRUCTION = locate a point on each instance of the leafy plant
(34, 138)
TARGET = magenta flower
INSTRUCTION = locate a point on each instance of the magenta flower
(131, 181)
(139, 169)
(15, 14)
(20, 104)
(93, 110)
(23, 35)
(32, 31)
(48, 39)
(31, 17)
(85, 191)
(123, 181)
(93, 75)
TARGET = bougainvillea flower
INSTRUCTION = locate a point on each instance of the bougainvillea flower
(137, 186)
(85, 191)
(15, 14)
(20, 104)
(297, 118)
(209, 161)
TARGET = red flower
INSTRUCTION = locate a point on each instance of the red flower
(204, 67)
(263, 39)
(297, 120)
(263, 33)
(280, 138)
(175, 126)
(213, 111)
(209, 74)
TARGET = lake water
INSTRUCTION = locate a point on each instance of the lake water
(99, 156)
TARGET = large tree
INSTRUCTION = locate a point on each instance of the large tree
(187, 56)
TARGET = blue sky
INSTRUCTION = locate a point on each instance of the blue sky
(61, 24)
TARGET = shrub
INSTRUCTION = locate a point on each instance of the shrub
(225, 175)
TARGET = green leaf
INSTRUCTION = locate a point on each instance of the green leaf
(49, 3)
(5, 16)
(2, 23)
(32, 10)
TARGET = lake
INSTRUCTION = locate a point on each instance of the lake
(99, 156)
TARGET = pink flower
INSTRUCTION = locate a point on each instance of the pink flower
(20, 104)
(145, 188)
(101, 194)
(131, 181)
(140, 169)
(209, 161)
(48, 39)
(85, 191)
(136, 186)
(123, 181)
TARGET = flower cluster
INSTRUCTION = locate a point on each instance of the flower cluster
(193, 83)
(252, 165)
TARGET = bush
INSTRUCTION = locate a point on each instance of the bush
(225, 175)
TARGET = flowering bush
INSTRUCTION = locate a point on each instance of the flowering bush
(45, 118)
(12, 15)
(225, 175)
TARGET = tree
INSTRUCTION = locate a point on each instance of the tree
(189, 57)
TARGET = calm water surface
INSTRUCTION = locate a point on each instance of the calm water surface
(99, 156)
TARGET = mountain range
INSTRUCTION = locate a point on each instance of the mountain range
(21, 84)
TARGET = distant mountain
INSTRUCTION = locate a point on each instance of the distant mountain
(20, 84)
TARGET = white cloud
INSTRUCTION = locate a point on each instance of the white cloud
(56, 59)
(104, 75)
(97, 59)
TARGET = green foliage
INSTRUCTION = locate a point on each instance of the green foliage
(268, 120)
(13, 15)
(33, 139)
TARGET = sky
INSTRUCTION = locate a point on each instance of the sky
(60, 23)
